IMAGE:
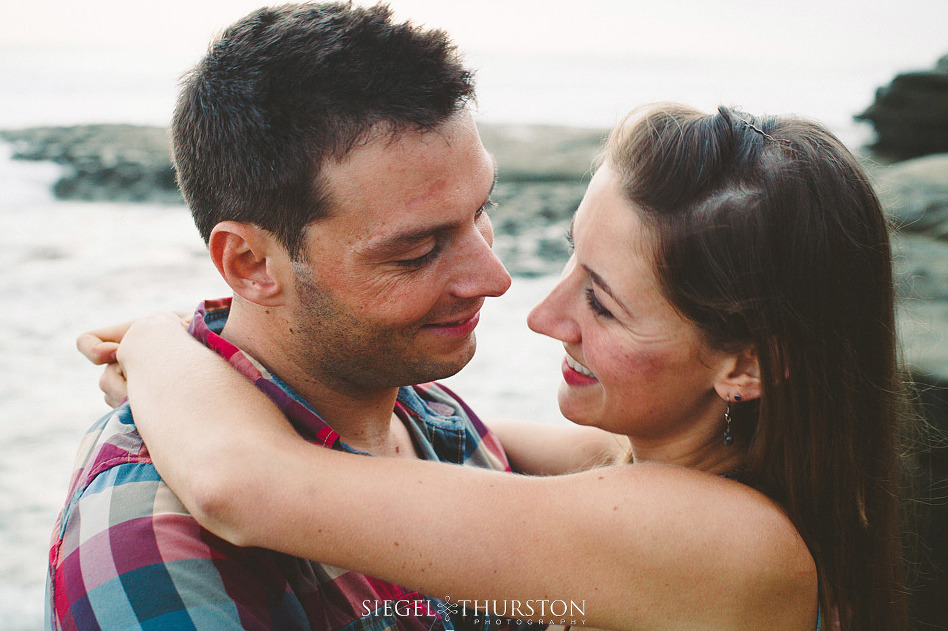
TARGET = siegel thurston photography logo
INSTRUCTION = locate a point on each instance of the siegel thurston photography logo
(564, 612)
(447, 608)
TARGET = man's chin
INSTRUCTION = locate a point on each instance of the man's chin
(433, 369)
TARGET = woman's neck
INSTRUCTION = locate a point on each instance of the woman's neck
(702, 452)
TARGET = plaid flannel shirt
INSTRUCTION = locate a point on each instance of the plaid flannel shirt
(125, 553)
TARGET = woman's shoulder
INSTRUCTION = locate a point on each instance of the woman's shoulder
(704, 532)
(737, 516)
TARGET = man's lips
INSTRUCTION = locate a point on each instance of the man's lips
(461, 326)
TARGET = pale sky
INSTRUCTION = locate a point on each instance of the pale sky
(907, 29)
(88, 61)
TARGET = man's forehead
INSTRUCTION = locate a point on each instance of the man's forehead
(392, 190)
(388, 138)
(406, 228)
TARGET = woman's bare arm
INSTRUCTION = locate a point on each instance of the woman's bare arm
(654, 547)
(546, 449)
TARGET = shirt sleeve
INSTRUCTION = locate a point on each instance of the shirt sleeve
(129, 555)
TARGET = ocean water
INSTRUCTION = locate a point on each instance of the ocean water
(68, 266)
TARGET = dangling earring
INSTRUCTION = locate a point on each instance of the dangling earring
(728, 436)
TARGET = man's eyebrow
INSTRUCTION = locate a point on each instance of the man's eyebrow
(601, 283)
(401, 241)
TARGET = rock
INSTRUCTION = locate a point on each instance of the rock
(910, 115)
(915, 194)
(922, 285)
(535, 153)
(105, 162)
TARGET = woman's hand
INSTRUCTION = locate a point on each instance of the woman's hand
(99, 346)
(145, 339)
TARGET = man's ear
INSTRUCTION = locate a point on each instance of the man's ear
(252, 261)
(739, 378)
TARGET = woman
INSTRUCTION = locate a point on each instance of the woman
(729, 308)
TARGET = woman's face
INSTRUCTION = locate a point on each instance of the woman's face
(633, 365)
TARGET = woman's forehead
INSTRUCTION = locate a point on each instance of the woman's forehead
(611, 238)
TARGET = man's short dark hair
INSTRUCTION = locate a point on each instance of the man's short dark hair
(287, 88)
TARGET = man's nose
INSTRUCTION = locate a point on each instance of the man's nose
(482, 273)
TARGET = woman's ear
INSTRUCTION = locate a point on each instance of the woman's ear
(250, 259)
(739, 378)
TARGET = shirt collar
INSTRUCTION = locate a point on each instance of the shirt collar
(206, 326)
(426, 417)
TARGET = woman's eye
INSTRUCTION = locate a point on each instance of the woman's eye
(569, 240)
(597, 307)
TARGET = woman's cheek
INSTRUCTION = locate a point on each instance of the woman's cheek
(641, 362)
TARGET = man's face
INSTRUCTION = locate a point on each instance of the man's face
(389, 287)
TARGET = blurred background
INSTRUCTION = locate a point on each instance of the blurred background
(94, 232)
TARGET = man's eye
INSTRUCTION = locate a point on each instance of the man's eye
(597, 307)
(485, 209)
(422, 260)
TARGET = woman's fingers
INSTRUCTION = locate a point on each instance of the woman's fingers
(113, 384)
(98, 345)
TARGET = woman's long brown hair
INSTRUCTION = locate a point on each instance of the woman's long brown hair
(769, 234)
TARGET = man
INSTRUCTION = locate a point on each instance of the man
(331, 165)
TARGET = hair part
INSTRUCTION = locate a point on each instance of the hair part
(768, 234)
(286, 89)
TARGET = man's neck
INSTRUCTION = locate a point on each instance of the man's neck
(363, 418)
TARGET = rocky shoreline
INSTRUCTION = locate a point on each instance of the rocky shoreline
(128, 163)
(542, 176)
(122, 163)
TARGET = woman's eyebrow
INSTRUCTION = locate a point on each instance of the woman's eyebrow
(493, 184)
(601, 283)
